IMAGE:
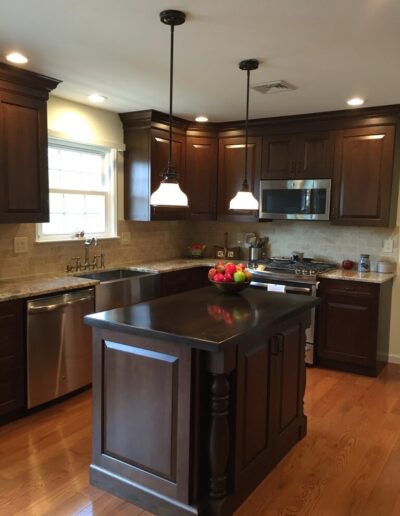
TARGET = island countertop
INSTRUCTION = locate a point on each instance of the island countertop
(204, 318)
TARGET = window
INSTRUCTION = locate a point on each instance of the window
(82, 183)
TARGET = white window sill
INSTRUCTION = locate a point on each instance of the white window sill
(74, 240)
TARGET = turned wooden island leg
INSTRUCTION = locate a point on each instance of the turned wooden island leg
(219, 436)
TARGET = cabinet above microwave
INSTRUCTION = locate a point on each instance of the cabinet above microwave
(297, 199)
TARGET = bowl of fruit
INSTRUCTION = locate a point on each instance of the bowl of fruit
(196, 250)
(229, 277)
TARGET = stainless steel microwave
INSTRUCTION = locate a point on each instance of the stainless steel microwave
(299, 199)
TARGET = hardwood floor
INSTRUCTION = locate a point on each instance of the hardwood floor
(349, 463)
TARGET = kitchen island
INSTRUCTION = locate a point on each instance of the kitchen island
(196, 397)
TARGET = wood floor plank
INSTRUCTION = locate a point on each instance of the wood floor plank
(348, 464)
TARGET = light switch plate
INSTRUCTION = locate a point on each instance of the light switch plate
(20, 245)
(126, 238)
(388, 246)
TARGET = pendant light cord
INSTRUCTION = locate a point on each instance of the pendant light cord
(171, 73)
(245, 183)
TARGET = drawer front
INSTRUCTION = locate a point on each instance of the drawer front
(344, 287)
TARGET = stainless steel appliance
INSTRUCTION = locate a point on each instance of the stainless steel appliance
(292, 277)
(300, 199)
(58, 345)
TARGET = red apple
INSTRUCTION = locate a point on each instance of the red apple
(220, 268)
(218, 277)
(230, 268)
(228, 278)
(212, 272)
(241, 266)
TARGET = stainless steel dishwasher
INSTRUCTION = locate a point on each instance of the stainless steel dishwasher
(58, 345)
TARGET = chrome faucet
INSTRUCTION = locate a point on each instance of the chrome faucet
(89, 242)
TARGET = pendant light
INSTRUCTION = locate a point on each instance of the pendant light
(244, 199)
(169, 193)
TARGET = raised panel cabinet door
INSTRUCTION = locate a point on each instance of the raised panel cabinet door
(279, 157)
(315, 155)
(348, 328)
(24, 195)
(231, 172)
(254, 439)
(159, 160)
(201, 177)
(363, 173)
(287, 354)
(12, 357)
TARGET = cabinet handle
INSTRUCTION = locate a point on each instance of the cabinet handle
(280, 343)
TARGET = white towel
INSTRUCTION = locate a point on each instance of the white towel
(276, 288)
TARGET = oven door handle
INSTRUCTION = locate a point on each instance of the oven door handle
(289, 288)
(298, 290)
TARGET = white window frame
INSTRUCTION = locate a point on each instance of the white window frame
(110, 157)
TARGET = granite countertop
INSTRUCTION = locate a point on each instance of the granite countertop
(30, 286)
(204, 318)
(368, 277)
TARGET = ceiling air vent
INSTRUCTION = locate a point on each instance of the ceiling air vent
(273, 87)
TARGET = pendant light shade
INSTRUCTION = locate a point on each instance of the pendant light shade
(244, 199)
(169, 193)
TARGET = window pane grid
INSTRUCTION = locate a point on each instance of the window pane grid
(81, 181)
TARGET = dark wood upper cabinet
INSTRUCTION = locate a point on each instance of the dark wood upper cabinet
(24, 190)
(298, 156)
(353, 325)
(364, 181)
(146, 139)
(279, 157)
(201, 177)
(12, 359)
(315, 155)
(230, 175)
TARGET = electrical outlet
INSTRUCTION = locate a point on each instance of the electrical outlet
(20, 245)
(126, 238)
(388, 246)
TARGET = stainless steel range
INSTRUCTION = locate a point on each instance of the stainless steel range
(289, 276)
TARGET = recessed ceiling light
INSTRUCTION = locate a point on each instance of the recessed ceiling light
(17, 58)
(355, 101)
(95, 97)
(201, 118)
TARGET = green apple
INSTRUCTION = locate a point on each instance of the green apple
(239, 276)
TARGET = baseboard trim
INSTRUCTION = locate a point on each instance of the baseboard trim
(394, 359)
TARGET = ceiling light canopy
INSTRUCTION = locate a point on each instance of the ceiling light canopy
(244, 199)
(201, 118)
(355, 101)
(169, 193)
(96, 98)
(16, 58)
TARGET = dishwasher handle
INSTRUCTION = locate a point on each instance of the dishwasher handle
(56, 306)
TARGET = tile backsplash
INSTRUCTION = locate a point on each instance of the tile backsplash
(163, 240)
(149, 240)
(316, 239)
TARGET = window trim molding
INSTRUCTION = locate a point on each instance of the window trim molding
(110, 155)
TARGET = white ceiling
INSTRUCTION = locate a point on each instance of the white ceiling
(330, 49)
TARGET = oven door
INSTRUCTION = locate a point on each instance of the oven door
(308, 199)
(299, 288)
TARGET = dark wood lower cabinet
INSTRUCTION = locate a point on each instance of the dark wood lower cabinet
(12, 360)
(353, 325)
(186, 431)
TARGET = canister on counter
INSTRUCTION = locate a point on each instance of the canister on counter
(364, 265)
